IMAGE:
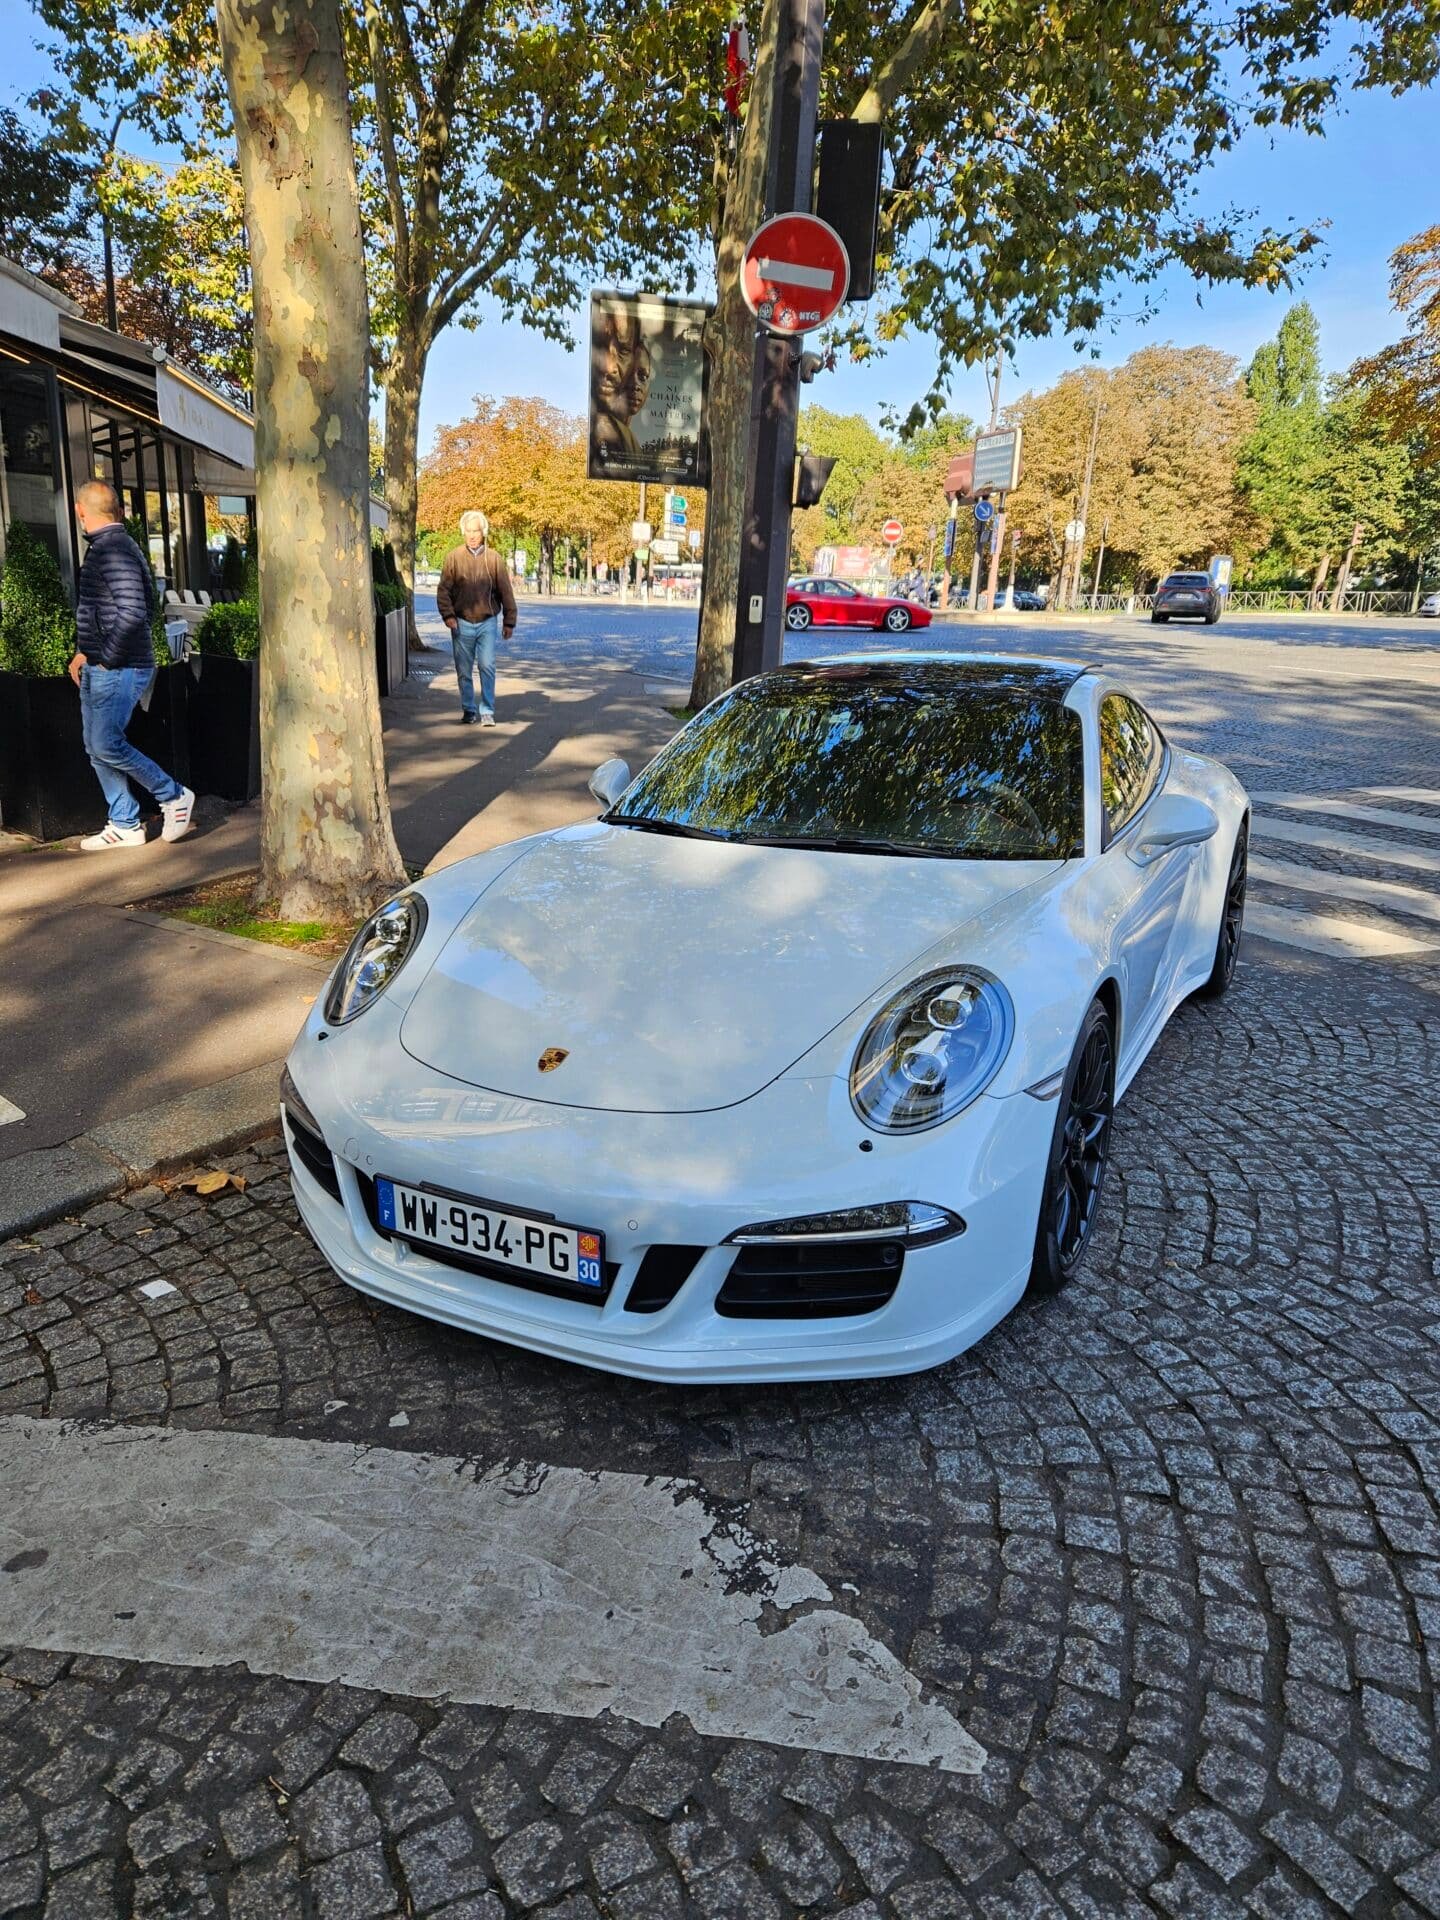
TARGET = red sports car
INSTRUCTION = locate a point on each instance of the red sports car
(835, 603)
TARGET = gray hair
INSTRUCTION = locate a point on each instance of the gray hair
(474, 518)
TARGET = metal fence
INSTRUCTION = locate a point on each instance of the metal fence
(1266, 600)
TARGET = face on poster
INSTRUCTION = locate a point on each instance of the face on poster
(647, 386)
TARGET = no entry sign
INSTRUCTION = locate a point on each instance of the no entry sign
(891, 533)
(795, 274)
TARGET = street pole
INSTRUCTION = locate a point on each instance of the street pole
(1014, 551)
(1085, 500)
(997, 526)
(775, 388)
(1100, 560)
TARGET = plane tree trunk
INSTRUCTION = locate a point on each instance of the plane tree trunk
(327, 850)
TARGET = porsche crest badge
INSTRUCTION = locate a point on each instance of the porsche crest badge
(551, 1058)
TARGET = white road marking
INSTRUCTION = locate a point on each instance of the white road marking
(787, 273)
(1301, 834)
(9, 1111)
(1424, 796)
(1394, 894)
(1348, 810)
(1326, 933)
(536, 1587)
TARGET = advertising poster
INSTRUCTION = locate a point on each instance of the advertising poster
(647, 388)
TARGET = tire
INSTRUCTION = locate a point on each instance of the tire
(1079, 1156)
(1211, 618)
(797, 619)
(897, 620)
(1232, 920)
(1158, 619)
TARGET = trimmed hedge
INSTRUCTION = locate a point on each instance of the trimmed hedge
(232, 630)
(389, 598)
(37, 623)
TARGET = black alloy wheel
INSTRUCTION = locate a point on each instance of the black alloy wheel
(797, 618)
(1079, 1155)
(1232, 919)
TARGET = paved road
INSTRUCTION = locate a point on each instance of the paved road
(1167, 1547)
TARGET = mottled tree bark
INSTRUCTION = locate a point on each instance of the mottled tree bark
(326, 845)
(404, 377)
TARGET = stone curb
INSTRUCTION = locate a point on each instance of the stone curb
(36, 1188)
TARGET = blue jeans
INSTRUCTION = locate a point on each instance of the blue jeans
(473, 643)
(108, 697)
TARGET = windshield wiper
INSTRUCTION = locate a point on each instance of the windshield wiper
(850, 844)
(675, 827)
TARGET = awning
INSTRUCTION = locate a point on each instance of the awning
(29, 310)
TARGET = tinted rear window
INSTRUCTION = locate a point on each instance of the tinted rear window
(1187, 580)
(973, 773)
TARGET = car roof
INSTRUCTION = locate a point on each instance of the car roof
(998, 672)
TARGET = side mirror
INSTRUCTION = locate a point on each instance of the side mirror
(609, 781)
(1173, 820)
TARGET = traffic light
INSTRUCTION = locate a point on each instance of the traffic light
(812, 470)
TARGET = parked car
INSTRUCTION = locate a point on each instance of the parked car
(1025, 601)
(599, 1093)
(835, 603)
(1186, 596)
(1430, 606)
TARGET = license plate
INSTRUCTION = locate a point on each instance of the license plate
(565, 1256)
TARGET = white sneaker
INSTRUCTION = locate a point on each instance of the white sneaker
(112, 836)
(178, 815)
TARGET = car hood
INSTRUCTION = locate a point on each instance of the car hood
(678, 975)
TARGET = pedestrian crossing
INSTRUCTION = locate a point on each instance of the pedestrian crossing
(1323, 867)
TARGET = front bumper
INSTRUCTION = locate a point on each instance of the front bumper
(671, 1180)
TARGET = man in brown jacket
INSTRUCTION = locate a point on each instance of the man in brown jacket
(474, 589)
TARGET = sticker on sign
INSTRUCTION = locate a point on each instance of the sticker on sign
(795, 273)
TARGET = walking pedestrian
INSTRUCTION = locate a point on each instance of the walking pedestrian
(113, 665)
(473, 593)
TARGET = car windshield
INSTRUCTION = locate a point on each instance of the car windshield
(934, 764)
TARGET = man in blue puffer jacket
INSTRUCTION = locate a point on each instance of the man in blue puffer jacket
(112, 667)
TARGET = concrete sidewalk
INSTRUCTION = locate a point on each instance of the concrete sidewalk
(108, 1013)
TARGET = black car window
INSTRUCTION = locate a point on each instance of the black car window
(1187, 580)
(1132, 752)
(873, 761)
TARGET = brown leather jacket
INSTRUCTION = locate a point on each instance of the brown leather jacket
(475, 586)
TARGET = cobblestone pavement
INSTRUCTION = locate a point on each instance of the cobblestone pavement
(1167, 1546)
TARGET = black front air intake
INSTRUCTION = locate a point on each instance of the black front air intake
(313, 1154)
(663, 1272)
(811, 1280)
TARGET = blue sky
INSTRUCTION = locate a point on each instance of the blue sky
(1372, 177)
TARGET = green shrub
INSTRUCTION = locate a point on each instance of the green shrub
(388, 598)
(232, 630)
(37, 624)
(392, 571)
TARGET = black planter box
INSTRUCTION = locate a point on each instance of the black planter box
(392, 650)
(48, 788)
(224, 722)
(162, 731)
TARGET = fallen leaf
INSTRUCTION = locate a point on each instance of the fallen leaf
(33, 1297)
(213, 1180)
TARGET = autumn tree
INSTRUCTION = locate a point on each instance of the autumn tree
(1402, 381)
(326, 846)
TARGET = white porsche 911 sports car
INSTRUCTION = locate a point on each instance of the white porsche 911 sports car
(800, 1061)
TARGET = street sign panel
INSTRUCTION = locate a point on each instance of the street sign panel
(892, 533)
(665, 549)
(696, 538)
(1075, 530)
(1221, 568)
(795, 273)
(984, 510)
(997, 461)
(640, 532)
(678, 502)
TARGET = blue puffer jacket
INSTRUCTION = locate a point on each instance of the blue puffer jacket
(116, 601)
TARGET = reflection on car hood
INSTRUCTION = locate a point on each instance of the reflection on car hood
(677, 974)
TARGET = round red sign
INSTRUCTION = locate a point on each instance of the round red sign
(891, 533)
(795, 273)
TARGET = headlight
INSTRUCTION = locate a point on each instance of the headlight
(931, 1050)
(375, 956)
